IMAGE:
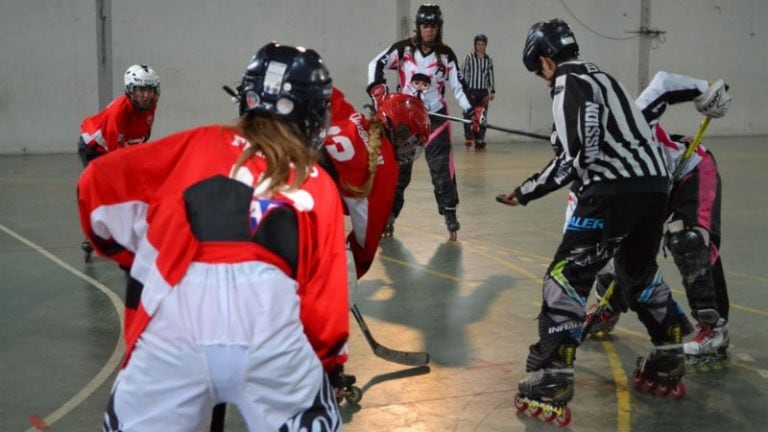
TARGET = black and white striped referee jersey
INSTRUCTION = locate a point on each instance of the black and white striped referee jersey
(477, 73)
(607, 144)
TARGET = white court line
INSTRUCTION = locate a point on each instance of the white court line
(117, 353)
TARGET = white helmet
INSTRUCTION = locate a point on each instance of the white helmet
(141, 76)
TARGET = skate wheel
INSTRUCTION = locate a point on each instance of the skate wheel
(637, 379)
(534, 409)
(520, 403)
(564, 419)
(453, 236)
(353, 395)
(650, 386)
(664, 390)
(548, 413)
(678, 391)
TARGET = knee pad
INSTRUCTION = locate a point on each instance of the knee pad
(689, 247)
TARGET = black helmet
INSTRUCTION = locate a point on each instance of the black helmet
(429, 14)
(481, 37)
(290, 83)
(548, 39)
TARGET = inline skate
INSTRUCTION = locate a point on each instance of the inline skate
(709, 348)
(345, 389)
(87, 251)
(389, 228)
(546, 393)
(452, 223)
(661, 372)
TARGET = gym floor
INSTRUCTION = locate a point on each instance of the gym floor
(471, 304)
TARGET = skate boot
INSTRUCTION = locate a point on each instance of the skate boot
(661, 372)
(709, 348)
(600, 320)
(451, 223)
(87, 251)
(480, 145)
(547, 392)
(389, 228)
(469, 143)
(344, 388)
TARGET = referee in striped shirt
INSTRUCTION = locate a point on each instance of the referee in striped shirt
(477, 73)
(608, 147)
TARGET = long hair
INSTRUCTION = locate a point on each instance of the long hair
(375, 130)
(281, 145)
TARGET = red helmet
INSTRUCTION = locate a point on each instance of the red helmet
(407, 120)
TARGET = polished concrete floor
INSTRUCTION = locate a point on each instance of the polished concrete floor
(471, 304)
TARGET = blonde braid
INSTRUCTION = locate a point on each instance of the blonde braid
(375, 130)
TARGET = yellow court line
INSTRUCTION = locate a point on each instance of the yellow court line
(622, 387)
(619, 376)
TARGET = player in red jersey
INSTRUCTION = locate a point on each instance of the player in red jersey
(364, 153)
(124, 122)
(238, 239)
(127, 120)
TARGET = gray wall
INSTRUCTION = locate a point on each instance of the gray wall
(49, 74)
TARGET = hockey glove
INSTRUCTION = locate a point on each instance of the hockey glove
(478, 119)
(714, 102)
(377, 91)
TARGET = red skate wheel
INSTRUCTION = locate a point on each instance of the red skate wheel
(520, 404)
(534, 412)
(678, 392)
(664, 390)
(637, 379)
(565, 418)
(650, 386)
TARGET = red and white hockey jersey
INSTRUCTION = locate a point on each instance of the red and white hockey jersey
(135, 208)
(346, 146)
(119, 125)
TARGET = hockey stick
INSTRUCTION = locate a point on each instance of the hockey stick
(601, 305)
(703, 124)
(697, 138)
(408, 358)
(490, 126)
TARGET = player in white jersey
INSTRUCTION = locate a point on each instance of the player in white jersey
(420, 59)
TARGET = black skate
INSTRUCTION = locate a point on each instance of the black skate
(344, 388)
(661, 372)
(546, 393)
(600, 321)
(452, 224)
(389, 228)
(87, 251)
(480, 145)
(709, 349)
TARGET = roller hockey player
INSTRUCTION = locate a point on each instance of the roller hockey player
(425, 55)
(692, 233)
(620, 214)
(124, 122)
(362, 154)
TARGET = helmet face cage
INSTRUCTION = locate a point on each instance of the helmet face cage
(547, 39)
(408, 144)
(426, 15)
(291, 84)
(141, 76)
(408, 124)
